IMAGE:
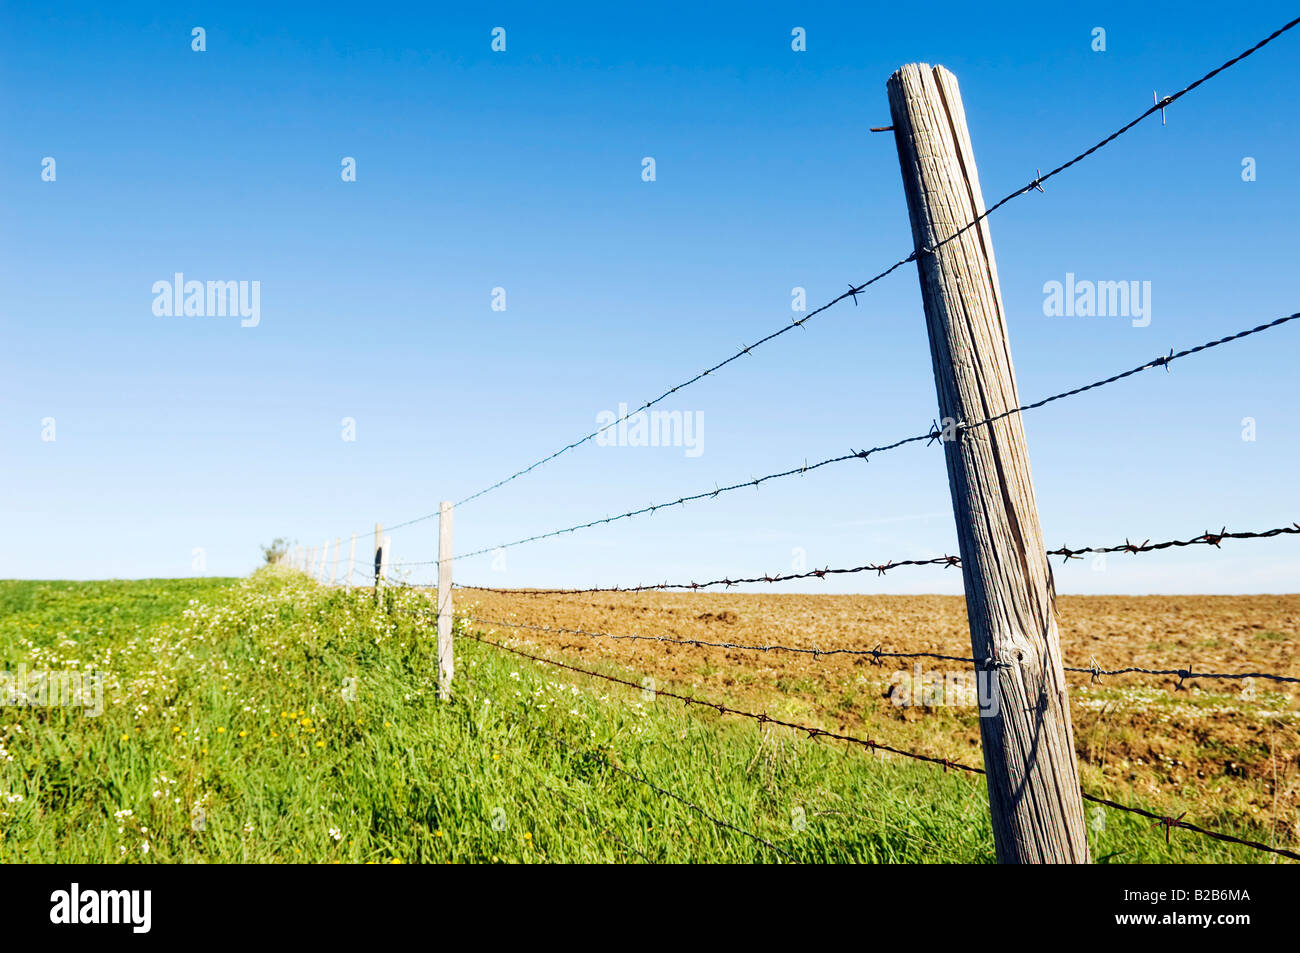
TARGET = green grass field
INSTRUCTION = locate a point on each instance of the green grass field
(273, 720)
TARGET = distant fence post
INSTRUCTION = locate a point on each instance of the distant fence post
(379, 553)
(324, 558)
(352, 558)
(446, 662)
(1033, 778)
(334, 568)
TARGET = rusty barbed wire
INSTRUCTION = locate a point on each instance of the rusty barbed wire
(1205, 539)
(1096, 671)
(936, 433)
(1158, 107)
(1164, 362)
(877, 653)
(688, 700)
(1034, 184)
(814, 733)
(1168, 823)
(681, 501)
(880, 569)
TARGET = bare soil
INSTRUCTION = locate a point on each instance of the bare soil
(1213, 747)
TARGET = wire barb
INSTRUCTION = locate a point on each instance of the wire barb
(948, 562)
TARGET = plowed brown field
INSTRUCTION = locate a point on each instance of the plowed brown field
(1209, 746)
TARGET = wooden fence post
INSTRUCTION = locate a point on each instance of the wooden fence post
(379, 552)
(334, 568)
(352, 558)
(1033, 779)
(446, 662)
(324, 558)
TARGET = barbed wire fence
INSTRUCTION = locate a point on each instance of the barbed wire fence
(387, 572)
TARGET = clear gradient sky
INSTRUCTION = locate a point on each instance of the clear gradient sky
(523, 170)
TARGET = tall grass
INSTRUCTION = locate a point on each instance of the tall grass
(272, 720)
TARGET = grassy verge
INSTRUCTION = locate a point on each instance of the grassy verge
(272, 720)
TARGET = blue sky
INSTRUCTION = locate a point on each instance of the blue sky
(522, 170)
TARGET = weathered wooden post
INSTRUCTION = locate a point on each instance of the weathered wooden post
(446, 663)
(1033, 779)
(379, 553)
(324, 558)
(334, 567)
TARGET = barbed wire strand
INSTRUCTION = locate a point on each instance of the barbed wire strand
(853, 291)
(1205, 539)
(814, 733)
(875, 654)
(934, 434)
